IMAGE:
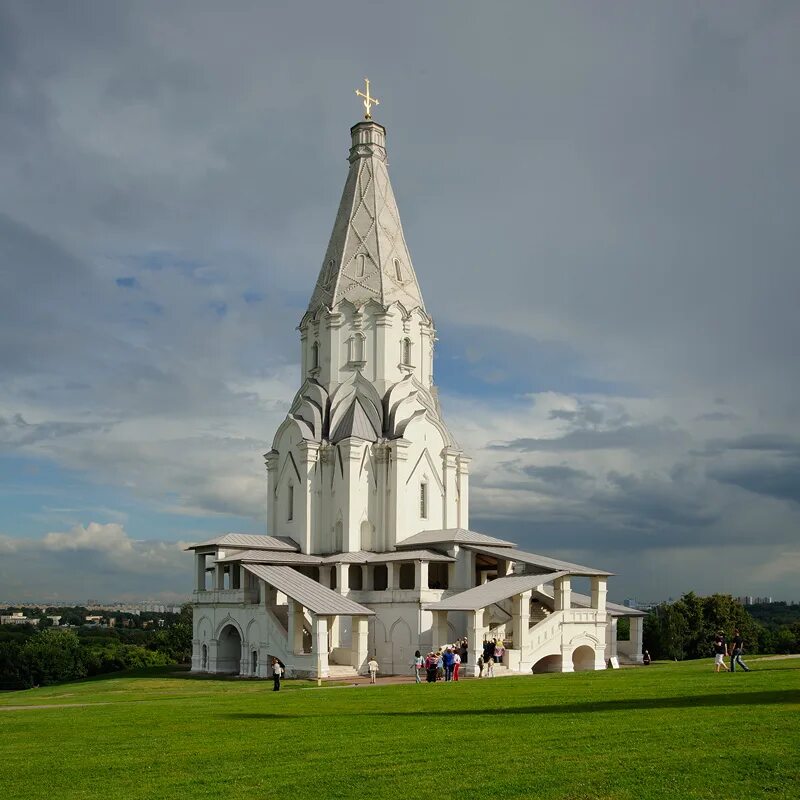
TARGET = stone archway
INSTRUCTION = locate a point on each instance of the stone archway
(583, 658)
(550, 663)
(229, 651)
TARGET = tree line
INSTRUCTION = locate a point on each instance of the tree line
(685, 629)
(38, 657)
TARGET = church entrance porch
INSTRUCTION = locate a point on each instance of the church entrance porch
(229, 651)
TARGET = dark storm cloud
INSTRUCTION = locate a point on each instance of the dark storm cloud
(629, 437)
(779, 480)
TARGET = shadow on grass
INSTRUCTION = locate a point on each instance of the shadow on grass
(783, 697)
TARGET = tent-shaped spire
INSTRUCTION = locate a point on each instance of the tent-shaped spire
(367, 258)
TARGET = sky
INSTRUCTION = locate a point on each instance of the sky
(600, 200)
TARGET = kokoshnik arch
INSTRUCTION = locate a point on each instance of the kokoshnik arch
(368, 547)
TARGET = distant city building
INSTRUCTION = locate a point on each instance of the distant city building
(749, 600)
(17, 618)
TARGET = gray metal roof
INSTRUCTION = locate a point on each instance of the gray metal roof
(271, 557)
(314, 596)
(536, 560)
(452, 536)
(368, 557)
(250, 540)
(492, 592)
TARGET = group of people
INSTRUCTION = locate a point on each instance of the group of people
(443, 664)
(735, 653)
(493, 652)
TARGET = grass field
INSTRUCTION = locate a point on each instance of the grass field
(664, 731)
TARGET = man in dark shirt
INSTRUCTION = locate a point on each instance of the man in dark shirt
(737, 646)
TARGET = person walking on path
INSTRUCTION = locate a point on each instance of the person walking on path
(456, 664)
(720, 651)
(480, 666)
(490, 668)
(372, 664)
(737, 647)
(417, 664)
(277, 671)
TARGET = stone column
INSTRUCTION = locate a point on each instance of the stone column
(563, 594)
(475, 635)
(365, 578)
(271, 462)
(295, 631)
(599, 592)
(325, 575)
(219, 572)
(636, 643)
(213, 646)
(611, 638)
(360, 643)
(342, 578)
(397, 526)
(450, 481)
(197, 656)
(463, 491)
(319, 645)
(392, 575)
(351, 450)
(420, 575)
(566, 658)
(200, 572)
(521, 619)
(308, 455)
(439, 630)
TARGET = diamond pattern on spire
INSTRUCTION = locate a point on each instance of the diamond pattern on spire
(367, 237)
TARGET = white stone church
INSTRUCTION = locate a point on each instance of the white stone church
(369, 548)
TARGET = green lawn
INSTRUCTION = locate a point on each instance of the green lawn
(664, 731)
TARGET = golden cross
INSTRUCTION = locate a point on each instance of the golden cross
(368, 101)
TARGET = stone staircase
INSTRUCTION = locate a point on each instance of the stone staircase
(340, 672)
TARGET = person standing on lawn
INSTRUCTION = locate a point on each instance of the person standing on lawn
(373, 669)
(456, 664)
(737, 647)
(447, 658)
(277, 672)
(417, 665)
(720, 651)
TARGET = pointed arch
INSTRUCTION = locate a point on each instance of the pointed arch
(400, 632)
(425, 458)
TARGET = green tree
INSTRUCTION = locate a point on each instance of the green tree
(53, 655)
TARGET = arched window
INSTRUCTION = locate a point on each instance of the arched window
(398, 270)
(315, 355)
(360, 266)
(204, 658)
(423, 500)
(290, 504)
(406, 352)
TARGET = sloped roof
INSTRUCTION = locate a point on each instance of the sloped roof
(369, 557)
(535, 560)
(492, 592)
(272, 557)
(355, 422)
(314, 596)
(251, 541)
(452, 536)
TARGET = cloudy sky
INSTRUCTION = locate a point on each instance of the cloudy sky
(601, 202)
